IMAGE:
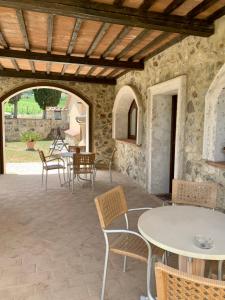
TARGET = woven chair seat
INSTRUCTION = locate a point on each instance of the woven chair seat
(54, 167)
(133, 246)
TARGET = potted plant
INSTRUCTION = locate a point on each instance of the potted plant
(30, 137)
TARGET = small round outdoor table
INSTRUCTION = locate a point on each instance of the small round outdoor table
(173, 228)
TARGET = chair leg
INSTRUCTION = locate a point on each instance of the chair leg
(42, 176)
(110, 173)
(92, 180)
(64, 177)
(105, 273)
(73, 183)
(60, 182)
(46, 180)
(124, 263)
(151, 282)
(220, 270)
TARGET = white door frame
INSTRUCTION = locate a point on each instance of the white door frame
(174, 86)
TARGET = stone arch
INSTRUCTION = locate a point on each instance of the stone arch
(47, 84)
(121, 107)
(214, 122)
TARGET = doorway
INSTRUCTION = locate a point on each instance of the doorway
(173, 139)
(166, 121)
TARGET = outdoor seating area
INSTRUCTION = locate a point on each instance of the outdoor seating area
(112, 150)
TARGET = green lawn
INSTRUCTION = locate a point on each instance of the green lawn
(27, 106)
(16, 152)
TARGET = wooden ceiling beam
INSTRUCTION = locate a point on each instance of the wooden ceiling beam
(77, 71)
(50, 32)
(90, 71)
(119, 15)
(56, 76)
(64, 69)
(32, 66)
(114, 72)
(74, 35)
(3, 40)
(146, 4)
(22, 24)
(66, 59)
(166, 46)
(15, 64)
(100, 74)
(133, 43)
(173, 5)
(48, 67)
(216, 15)
(118, 3)
(151, 44)
(116, 41)
(99, 36)
(200, 8)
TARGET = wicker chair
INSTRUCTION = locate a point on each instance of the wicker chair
(83, 164)
(194, 193)
(74, 149)
(48, 166)
(173, 285)
(111, 205)
(202, 194)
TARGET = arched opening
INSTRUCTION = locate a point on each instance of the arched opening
(214, 123)
(72, 94)
(127, 115)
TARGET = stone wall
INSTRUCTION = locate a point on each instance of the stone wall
(15, 127)
(101, 98)
(199, 59)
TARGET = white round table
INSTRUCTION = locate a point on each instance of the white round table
(173, 228)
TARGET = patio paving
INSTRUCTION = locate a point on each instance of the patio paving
(51, 245)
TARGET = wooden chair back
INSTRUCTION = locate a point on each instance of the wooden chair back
(111, 205)
(83, 161)
(74, 149)
(42, 156)
(194, 193)
(173, 284)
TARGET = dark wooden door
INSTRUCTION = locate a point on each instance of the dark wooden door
(173, 138)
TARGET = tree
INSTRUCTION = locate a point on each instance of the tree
(14, 100)
(46, 97)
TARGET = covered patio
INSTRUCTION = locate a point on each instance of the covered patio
(49, 251)
(152, 73)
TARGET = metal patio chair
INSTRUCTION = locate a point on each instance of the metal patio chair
(83, 164)
(173, 284)
(48, 165)
(110, 206)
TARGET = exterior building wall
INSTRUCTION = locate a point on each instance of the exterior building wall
(199, 59)
(100, 96)
(15, 127)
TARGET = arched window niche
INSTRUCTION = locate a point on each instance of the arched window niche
(214, 123)
(123, 105)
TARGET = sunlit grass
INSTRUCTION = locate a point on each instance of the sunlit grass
(16, 151)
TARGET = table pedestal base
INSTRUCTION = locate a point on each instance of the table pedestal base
(192, 265)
